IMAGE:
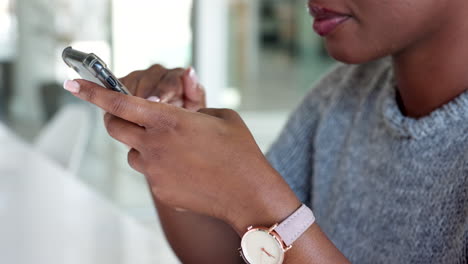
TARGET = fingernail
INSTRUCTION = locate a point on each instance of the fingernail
(71, 86)
(154, 99)
(180, 210)
(193, 75)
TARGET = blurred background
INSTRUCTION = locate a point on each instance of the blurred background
(259, 57)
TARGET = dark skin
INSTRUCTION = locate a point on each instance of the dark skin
(191, 159)
(426, 40)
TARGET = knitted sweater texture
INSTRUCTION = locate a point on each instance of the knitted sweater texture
(384, 187)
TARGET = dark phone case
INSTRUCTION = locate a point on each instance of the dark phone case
(90, 67)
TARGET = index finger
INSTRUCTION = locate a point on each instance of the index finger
(134, 109)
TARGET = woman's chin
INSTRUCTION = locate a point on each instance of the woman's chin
(347, 55)
(346, 52)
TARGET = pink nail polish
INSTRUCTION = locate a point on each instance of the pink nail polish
(181, 210)
(71, 86)
(193, 75)
(194, 80)
(154, 99)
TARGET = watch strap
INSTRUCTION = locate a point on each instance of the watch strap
(295, 225)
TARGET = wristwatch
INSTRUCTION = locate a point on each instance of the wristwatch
(262, 245)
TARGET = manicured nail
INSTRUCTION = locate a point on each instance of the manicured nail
(154, 99)
(180, 210)
(193, 76)
(71, 86)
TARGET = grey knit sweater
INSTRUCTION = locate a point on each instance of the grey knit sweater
(385, 188)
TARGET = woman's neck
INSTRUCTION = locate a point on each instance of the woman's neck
(434, 71)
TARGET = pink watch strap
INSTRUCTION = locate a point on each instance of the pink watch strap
(295, 225)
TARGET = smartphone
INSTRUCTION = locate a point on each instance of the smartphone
(90, 67)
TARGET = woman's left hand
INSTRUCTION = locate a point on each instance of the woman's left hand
(206, 162)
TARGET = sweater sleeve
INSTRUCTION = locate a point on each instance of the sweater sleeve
(292, 153)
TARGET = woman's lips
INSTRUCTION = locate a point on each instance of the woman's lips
(326, 26)
(326, 20)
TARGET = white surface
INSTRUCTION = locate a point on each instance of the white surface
(265, 126)
(148, 32)
(7, 37)
(211, 44)
(48, 217)
(65, 137)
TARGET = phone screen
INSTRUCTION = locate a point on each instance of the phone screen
(83, 71)
(90, 67)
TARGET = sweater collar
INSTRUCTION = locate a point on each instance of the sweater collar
(449, 115)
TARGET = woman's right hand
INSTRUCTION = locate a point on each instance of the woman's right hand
(178, 87)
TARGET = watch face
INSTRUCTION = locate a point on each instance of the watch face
(260, 247)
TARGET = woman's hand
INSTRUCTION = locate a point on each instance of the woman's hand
(206, 162)
(178, 87)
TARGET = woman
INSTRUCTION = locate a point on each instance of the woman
(377, 149)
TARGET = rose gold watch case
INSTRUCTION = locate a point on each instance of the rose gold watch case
(271, 232)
